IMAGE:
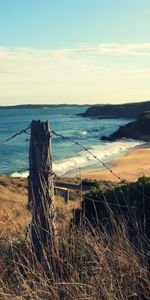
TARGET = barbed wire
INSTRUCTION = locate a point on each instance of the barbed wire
(69, 139)
(25, 131)
(15, 135)
(89, 152)
(99, 160)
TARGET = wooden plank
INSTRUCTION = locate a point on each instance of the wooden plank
(65, 192)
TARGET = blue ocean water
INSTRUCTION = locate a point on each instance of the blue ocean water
(67, 157)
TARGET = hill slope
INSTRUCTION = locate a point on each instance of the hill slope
(129, 110)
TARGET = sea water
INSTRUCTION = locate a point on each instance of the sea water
(68, 158)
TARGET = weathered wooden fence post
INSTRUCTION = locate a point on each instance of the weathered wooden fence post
(40, 188)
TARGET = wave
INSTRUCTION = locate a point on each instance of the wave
(83, 133)
(19, 174)
(105, 152)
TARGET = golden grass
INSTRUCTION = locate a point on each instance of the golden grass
(14, 215)
(88, 265)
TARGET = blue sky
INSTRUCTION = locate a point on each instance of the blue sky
(74, 51)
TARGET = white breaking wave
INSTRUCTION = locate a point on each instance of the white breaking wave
(83, 133)
(105, 152)
(23, 174)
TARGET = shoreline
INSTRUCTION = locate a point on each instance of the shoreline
(130, 167)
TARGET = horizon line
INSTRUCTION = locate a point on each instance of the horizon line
(72, 104)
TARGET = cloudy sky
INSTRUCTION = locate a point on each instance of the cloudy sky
(74, 51)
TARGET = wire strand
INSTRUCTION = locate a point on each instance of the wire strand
(89, 152)
(76, 143)
(96, 158)
(15, 135)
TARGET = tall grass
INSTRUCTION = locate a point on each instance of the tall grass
(89, 264)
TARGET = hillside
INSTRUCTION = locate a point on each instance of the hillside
(128, 110)
(15, 213)
(89, 263)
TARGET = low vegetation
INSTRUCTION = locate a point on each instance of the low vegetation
(97, 256)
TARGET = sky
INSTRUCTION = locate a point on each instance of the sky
(74, 51)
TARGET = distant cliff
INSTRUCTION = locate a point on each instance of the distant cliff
(130, 110)
(139, 129)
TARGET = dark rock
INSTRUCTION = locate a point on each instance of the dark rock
(139, 129)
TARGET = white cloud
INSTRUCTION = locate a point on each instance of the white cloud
(115, 49)
(85, 72)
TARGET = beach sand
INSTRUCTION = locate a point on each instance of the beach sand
(130, 167)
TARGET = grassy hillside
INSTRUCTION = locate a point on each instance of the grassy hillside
(89, 263)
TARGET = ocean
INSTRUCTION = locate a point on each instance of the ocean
(68, 158)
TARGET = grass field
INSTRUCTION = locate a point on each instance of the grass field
(88, 264)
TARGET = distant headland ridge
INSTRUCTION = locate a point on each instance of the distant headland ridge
(26, 106)
(127, 110)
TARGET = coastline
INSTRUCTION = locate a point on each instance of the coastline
(130, 167)
(125, 165)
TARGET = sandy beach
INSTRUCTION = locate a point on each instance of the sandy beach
(130, 167)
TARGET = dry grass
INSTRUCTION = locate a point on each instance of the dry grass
(14, 215)
(64, 211)
(88, 265)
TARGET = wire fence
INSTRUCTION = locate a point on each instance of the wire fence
(90, 153)
(25, 131)
(102, 163)
(15, 135)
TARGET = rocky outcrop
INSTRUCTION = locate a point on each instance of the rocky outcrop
(139, 129)
(130, 110)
